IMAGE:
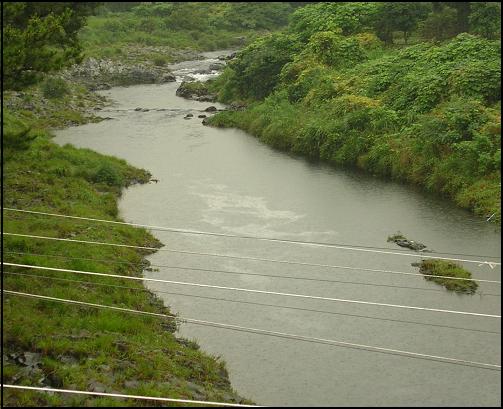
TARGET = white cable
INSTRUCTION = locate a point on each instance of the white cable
(247, 290)
(335, 246)
(271, 333)
(246, 257)
(119, 395)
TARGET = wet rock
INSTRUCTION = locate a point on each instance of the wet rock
(402, 241)
(217, 66)
(203, 71)
(206, 98)
(205, 121)
(411, 244)
(201, 116)
(138, 109)
(188, 116)
(167, 78)
(101, 87)
(211, 109)
(145, 110)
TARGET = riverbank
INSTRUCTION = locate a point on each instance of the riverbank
(65, 346)
(426, 114)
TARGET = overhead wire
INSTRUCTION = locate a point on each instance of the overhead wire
(248, 302)
(240, 257)
(254, 291)
(233, 272)
(311, 243)
(370, 348)
(121, 395)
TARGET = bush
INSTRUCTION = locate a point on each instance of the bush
(109, 175)
(54, 87)
(160, 61)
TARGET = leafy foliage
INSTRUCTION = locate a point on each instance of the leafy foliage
(445, 269)
(40, 37)
(427, 113)
(54, 87)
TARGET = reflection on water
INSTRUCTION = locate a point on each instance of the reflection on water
(228, 182)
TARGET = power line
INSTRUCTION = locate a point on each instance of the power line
(234, 272)
(248, 290)
(340, 246)
(370, 348)
(250, 302)
(243, 257)
(120, 395)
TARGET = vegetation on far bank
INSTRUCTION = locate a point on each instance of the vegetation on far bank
(447, 269)
(340, 85)
(202, 26)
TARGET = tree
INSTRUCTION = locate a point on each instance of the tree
(40, 37)
(256, 69)
(485, 19)
(398, 16)
(463, 9)
(440, 24)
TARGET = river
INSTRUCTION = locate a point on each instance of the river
(226, 181)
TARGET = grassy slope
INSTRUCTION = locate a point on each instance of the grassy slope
(82, 347)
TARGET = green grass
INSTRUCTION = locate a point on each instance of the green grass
(448, 269)
(83, 345)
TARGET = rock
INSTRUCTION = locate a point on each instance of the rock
(206, 98)
(205, 121)
(102, 87)
(137, 109)
(217, 66)
(188, 116)
(201, 116)
(96, 387)
(198, 392)
(203, 71)
(145, 110)
(237, 106)
(211, 109)
(167, 78)
(131, 384)
(411, 244)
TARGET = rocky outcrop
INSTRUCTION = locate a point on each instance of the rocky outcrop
(99, 74)
(401, 241)
(195, 90)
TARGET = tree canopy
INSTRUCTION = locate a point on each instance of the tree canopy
(40, 37)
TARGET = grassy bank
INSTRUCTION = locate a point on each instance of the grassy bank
(66, 346)
(428, 114)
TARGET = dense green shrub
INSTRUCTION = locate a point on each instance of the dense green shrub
(428, 113)
(54, 87)
(109, 175)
